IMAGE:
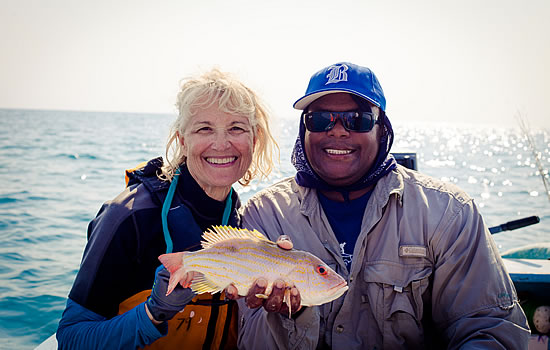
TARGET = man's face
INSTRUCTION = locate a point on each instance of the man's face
(338, 156)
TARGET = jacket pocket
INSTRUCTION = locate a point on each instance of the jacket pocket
(396, 293)
(403, 286)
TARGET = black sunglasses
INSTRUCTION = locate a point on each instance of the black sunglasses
(352, 121)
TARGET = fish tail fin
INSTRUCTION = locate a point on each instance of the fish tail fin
(173, 262)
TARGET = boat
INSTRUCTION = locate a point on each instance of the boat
(528, 266)
(48, 344)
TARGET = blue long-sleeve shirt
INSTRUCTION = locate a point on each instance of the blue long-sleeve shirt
(81, 328)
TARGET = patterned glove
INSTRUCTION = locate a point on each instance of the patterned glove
(163, 307)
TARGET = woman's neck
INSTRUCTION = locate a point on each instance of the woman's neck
(217, 193)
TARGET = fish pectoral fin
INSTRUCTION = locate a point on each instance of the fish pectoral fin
(261, 296)
(201, 285)
(286, 299)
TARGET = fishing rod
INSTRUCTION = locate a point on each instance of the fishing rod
(515, 224)
(536, 154)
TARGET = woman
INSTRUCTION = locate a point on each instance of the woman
(220, 136)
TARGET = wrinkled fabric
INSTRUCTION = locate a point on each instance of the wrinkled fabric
(426, 273)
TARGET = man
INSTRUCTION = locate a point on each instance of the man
(422, 268)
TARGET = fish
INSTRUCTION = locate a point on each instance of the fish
(240, 256)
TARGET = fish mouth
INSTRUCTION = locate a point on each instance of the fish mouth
(339, 289)
(331, 294)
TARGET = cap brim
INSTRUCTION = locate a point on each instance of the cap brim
(305, 101)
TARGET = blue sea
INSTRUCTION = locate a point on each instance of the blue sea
(58, 167)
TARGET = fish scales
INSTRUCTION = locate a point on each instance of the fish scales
(240, 257)
(254, 262)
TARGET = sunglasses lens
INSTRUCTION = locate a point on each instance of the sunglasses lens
(352, 121)
(318, 121)
(358, 121)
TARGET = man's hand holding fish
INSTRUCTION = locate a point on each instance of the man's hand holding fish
(275, 301)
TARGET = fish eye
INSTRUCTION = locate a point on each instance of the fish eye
(322, 270)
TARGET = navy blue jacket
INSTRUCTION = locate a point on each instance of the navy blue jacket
(121, 256)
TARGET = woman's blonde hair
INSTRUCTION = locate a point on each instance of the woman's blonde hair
(232, 97)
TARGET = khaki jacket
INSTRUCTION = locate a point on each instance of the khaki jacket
(425, 273)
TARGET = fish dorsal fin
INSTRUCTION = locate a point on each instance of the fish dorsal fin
(219, 234)
(201, 284)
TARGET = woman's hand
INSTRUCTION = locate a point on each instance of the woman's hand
(161, 307)
(275, 301)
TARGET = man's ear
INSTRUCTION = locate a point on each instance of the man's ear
(380, 123)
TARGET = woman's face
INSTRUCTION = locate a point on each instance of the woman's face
(219, 148)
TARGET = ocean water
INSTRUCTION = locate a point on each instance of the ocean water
(57, 168)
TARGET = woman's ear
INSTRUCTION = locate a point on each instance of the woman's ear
(180, 140)
(179, 137)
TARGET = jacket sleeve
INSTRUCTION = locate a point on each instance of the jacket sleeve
(113, 268)
(260, 329)
(81, 328)
(480, 305)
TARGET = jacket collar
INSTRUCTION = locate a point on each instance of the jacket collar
(391, 184)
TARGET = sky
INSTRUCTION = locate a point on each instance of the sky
(472, 61)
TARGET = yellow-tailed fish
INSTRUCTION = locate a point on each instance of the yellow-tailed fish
(240, 256)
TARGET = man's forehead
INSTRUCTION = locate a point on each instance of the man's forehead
(341, 101)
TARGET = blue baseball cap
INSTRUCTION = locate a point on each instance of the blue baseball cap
(343, 77)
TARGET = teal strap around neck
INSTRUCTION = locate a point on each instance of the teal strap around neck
(164, 214)
(168, 202)
(227, 210)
